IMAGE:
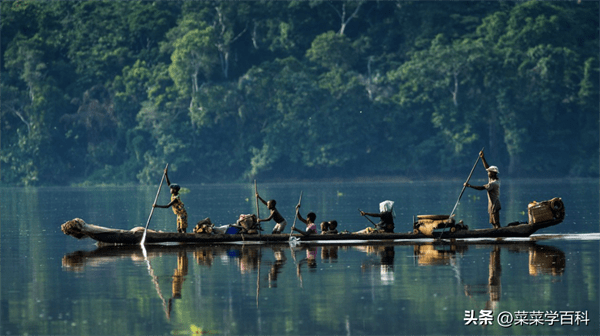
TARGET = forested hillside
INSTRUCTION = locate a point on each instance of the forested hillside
(111, 91)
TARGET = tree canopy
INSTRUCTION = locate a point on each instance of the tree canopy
(109, 91)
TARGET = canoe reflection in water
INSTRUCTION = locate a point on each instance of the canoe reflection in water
(543, 259)
(385, 254)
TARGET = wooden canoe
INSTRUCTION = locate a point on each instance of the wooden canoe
(80, 229)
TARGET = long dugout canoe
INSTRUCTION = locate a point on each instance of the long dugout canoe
(79, 229)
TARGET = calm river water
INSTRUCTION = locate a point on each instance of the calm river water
(55, 284)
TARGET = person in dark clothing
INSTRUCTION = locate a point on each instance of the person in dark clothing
(386, 215)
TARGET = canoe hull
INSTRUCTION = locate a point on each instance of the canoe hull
(132, 237)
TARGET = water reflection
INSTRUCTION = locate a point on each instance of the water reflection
(264, 267)
(277, 265)
(546, 260)
(543, 259)
(381, 262)
(494, 285)
(384, 261)
(179, 275)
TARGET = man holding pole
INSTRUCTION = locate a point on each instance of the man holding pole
(493, 191)
(177, 204)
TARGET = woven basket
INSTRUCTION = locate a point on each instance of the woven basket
(540, 212)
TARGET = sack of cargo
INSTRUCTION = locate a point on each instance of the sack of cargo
(248, 223)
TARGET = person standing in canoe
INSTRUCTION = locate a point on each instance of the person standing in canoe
(177, 204)
(493, 192)
(280, 222)
(386, 215)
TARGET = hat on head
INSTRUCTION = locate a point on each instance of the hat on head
(493, 169)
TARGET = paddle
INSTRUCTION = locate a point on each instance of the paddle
(462, 191)
(153, 204)
(296, 216)
(369, 219)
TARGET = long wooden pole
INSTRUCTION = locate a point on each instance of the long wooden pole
(153, 204)
(464, 185)
(296, 216)
(256, 198)
(257, 208)
(461, 193)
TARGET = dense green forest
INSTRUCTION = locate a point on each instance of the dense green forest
(111, 91)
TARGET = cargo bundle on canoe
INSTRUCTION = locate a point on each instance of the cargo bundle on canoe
(539, 212)
(541, 215)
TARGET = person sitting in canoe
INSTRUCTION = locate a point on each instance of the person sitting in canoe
(311, 227)
(386, 215)
(324, 227)
(280, 222)
(493, 191)
(329, 227)
(177, 204)
(332, 227)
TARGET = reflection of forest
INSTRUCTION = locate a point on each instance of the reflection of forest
(248, 259)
